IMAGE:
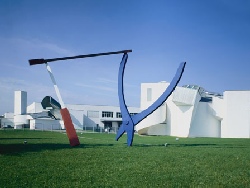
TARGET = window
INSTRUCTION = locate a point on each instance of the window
(118, 115)
(133, 114)
(93, 114)
(149, 94)
(107, 114)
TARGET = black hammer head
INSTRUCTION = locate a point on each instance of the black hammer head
(36, 61)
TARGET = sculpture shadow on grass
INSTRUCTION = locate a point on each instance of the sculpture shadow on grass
(20, 148)
(23, 138)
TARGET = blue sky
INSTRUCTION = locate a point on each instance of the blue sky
(212, 36)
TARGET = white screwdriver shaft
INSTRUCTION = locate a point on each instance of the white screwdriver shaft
(55, 86)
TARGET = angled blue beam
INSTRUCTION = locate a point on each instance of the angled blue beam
(128, 121)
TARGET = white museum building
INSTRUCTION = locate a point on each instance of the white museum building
(190, 111)
(84, 117)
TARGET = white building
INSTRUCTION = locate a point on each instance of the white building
(190, 111)
(20, 108)
(7, 120)
(84, 117)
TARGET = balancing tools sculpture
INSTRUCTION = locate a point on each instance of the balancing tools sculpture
(70, 130)
(128, 121)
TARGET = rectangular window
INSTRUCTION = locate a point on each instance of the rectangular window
(118, 115)
(93, 114)
(149, 94)
(133, 114)
(107, 114)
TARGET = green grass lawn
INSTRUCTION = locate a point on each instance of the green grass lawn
(47, 160)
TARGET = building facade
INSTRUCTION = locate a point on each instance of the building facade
(84, 117)
(190, 111)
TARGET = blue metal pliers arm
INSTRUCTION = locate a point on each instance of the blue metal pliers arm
(128, 121)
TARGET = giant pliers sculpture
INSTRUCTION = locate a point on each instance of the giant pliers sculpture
(130, 121)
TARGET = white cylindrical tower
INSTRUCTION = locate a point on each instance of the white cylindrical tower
(20, 105)
(20, 109)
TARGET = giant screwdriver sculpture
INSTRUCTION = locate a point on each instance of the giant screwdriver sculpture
(70, 130)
